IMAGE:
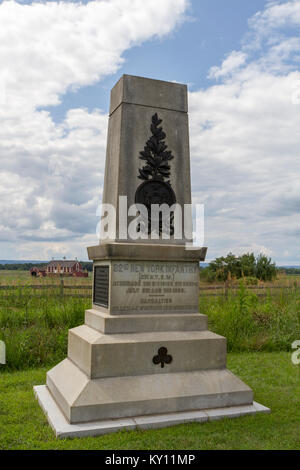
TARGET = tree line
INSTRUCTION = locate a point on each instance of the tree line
(290, 270)
(88, 265)
(247, 265)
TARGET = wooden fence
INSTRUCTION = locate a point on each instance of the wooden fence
(61, 288)
(65, 289)
(264, 290)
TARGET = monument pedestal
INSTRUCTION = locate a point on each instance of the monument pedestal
(136, 363)
(63, 429)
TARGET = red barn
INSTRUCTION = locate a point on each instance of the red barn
(67, 268)
(38, 272)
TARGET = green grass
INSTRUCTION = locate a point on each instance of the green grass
(14, 275)
(34, 323)
(9, 275)
(272, 376)
(253, 323)
(35, 327)
(35, 330)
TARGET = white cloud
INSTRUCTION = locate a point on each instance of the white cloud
(245, 143)
(51, 174)
(276, 15)
(244, 129)
(48, 48)
(234, 61)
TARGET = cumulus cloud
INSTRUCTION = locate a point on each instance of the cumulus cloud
(245, 142)
(48, 48)
(234, 61)
(275, 16)
(244, 127)
(51, 174)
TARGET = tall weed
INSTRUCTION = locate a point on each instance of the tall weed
(253, 323)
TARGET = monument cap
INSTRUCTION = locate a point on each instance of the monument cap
(146, 91)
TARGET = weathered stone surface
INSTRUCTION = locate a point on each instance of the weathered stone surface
(85, 400)
(99, 355)
(135, 100)
(145, 287)
(142, 252)
(112, 324)
(63, 429)
(154, 286)
(145, 92)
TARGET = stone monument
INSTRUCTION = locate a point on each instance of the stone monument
(144, 357)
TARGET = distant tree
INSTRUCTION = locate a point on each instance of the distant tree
(265, 269)
(236, 267)
(290, 270)
(248, 264)
(226, 267)
(20, 266)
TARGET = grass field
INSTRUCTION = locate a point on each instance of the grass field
(8, 276)
(253, 323)
(273, 377)
(15, 276)
(34, 323)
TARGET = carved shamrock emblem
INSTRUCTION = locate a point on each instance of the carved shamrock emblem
(162, 357)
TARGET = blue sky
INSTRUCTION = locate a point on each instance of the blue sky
(212, 30)
(241, 61)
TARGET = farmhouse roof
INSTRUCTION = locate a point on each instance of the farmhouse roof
(63, 263)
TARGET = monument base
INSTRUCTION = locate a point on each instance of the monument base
(63, 429)
(83, 399)
(144, 356)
